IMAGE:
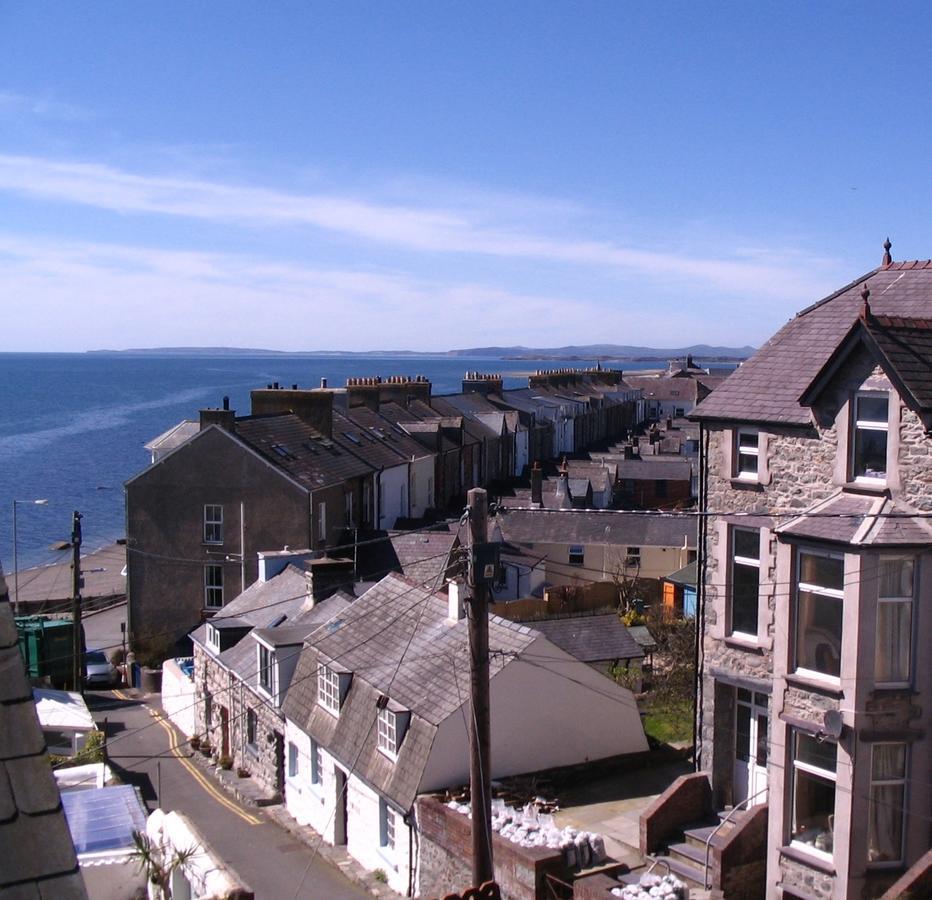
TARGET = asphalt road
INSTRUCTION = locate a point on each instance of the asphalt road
(271, 861)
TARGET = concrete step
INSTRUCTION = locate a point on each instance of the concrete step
(686, 871)
(689, 853)
(698, 836)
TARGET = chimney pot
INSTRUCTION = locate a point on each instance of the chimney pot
(456, 610)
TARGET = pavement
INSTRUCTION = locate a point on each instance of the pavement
(263, 846)
(611, 806)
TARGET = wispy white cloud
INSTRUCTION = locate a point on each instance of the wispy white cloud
(42, 107)
(414, 227)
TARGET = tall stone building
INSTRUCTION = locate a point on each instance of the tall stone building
(816, 587)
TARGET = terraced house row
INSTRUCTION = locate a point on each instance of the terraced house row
(323, 468)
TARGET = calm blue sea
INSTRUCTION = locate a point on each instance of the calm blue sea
(73, 426)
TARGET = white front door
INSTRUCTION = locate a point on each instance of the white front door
(750, 747)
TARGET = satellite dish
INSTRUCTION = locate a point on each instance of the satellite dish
(832, 723)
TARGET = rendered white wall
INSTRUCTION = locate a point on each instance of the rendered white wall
(178, 697)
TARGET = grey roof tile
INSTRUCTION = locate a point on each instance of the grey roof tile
(590, 638)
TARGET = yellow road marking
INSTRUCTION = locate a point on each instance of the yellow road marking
(192, 770)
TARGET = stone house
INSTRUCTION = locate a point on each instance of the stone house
(815, 693)
(245, 657)
(577, 546)
(197, 518)
(376, 716)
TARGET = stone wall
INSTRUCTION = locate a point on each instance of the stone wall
(228, 692)
(445, 854)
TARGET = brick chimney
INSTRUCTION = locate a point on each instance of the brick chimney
(224, 417)
(327, 575)
(315, 407)
(482, 383)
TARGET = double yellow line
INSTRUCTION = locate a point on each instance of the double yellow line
(179, 754)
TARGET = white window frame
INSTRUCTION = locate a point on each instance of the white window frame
(576, 555)
(328, 690)
(858, 425)
(633, 557)
(734, 560)
(813, 771)
(294, 761)
(885, 603)
(750, 450)
(388, 733)
(899, 781)
(252, 725)
(317, 765)
(213, 523)
(213, 637)
(825, 594)
(387, 828)
(213, 587)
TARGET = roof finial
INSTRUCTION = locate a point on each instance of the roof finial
(887, 258)
(865, 296)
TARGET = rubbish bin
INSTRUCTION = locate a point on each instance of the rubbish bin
(151, 682)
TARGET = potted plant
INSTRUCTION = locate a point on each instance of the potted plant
(206, 749)
(195, 742)
(242, 772)
(225, 763)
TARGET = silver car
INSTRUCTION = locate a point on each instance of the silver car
(100, 671)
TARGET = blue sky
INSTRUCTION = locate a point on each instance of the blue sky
(326, 176)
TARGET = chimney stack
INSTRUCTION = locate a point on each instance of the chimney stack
(225, 417)
(456, 609)
(537, 495)
(274, 562)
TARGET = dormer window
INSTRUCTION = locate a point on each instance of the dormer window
(870, 427)
(332, 687)
(392, 725)
(213, 637)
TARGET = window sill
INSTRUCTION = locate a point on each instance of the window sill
(746, 484)
(813, 858)
(391, 757)
(824, 685)
(212, 543)
(742, 642)
(867, 486)
(333, 712)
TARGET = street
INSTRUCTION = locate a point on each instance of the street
(270, 860)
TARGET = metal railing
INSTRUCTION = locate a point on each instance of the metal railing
(715, 831)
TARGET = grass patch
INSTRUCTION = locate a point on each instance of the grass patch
(668, 722)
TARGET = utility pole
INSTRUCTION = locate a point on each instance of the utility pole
(78, 645)
(480, 787)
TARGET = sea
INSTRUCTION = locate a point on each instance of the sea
(73, 425)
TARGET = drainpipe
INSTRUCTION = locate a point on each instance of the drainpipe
(700, 589)
(410, 821)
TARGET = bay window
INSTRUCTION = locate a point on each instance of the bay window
(820, 585)
(887, 803)
(893, 648)
(812, 808)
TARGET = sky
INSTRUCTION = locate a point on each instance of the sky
(439, 175)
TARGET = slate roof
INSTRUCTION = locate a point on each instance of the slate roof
(653, 468)
(688, 576)
(397, 641)
(300, 450)
(861, 519)
(375, 448)
(424, 556)
(597, 527)
(386, 431)
(37, 857)
(174, 437)
(768, 386)
(591, 638)
(906, 345)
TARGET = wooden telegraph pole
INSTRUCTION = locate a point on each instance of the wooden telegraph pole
(78, 645)
(480, 787)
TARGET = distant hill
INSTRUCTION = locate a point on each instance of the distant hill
(573, 352)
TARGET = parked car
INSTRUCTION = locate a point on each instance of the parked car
(99, 669)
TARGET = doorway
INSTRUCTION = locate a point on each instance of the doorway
(340, 818)
(751, 721)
